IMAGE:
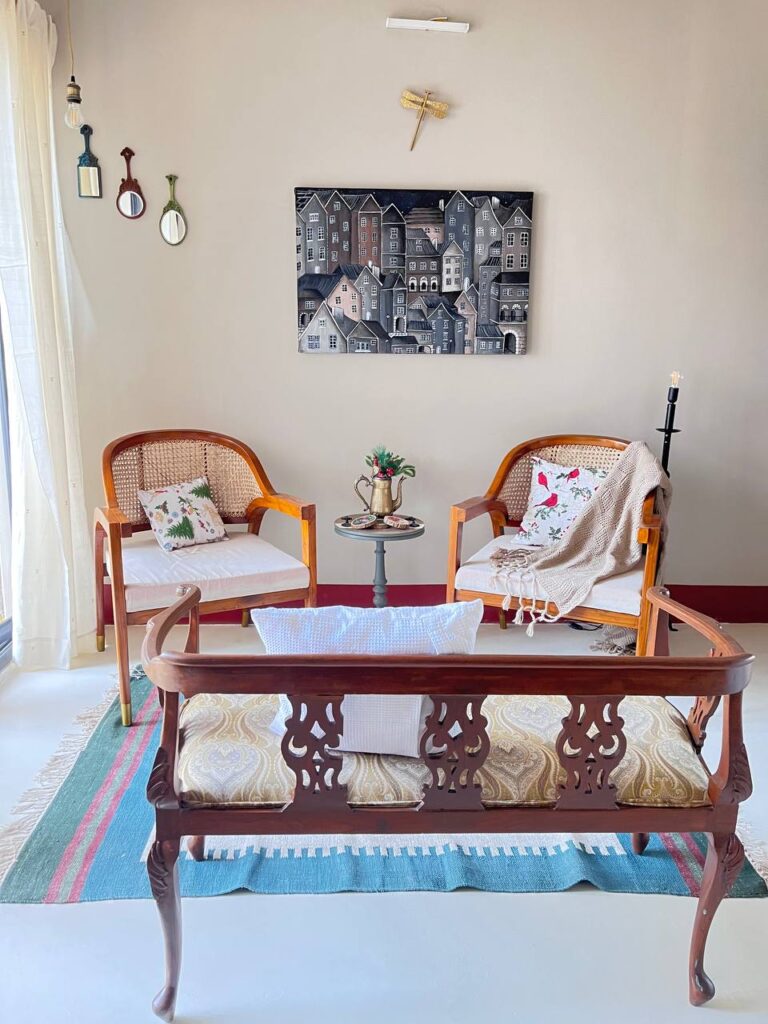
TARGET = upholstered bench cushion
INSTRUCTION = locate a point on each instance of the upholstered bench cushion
(616, 594)
(238, 567)
(228, 755)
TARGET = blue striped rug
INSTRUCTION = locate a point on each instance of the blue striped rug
(83, 833)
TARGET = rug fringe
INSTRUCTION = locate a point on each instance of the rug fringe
(755, 848)
(33, 804)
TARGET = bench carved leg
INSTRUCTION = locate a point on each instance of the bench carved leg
(725, 858)
(196, 847)
(163, 871)
(502, 619)
(640, 841)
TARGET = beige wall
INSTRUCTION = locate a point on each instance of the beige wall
(640, 127)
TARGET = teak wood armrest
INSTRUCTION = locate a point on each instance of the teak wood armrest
(285, 503)
(105, 517)
(470, 509)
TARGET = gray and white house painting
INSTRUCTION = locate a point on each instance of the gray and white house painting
(413, 272)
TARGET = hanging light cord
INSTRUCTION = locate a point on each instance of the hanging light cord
(69, 36)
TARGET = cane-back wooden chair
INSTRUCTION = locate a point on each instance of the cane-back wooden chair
(618, 601)
(242, 573)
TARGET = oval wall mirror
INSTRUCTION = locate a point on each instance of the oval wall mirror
(130, 198)
(173, 223)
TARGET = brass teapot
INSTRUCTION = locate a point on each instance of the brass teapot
(381, 502)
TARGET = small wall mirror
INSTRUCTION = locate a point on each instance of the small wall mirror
(130, 198)
(88, 170)
(173, 223)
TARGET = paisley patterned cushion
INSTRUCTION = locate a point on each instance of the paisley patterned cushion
(228, 755)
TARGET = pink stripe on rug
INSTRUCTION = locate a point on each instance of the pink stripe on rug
(680, 860)
(693, 846)
(77, 838)
(90, 853)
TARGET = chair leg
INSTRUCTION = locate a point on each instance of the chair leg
(121, 646)
(163, 871)
(502, 619)
(245, 618)
(725, 858)
(98, 548)
(640, 841)
(196, 847)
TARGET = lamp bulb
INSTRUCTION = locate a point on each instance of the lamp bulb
(74, 116)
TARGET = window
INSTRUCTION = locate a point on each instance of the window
(333, 341)
(423, 284)
(510, 264)
(298, 249)
(486, 214)
(332, 219)
(345, 226)
(374, 303)
(460, 206)
(321, 234)
(374, 236)
(298, 231)
(335, 236)
(344, 288)
(363, 222)
(345, 246)
(423, 265)
(314, 218)
(412, 264)
(363, 252)
(393, 232)
(412, 285)
(524, 236)
(310, 234)
(363, 236)
(393, 246)
(480, 231)
(309, 304)
(480, 250)
(313, 341)
(321, 252)
(518, 220)
(433, 285)
(354, 307)
(493, 230)
(524, 261)
(510, 238)
(433, 265)
(465, 229)
(337, 300)
(321, 322)
(310, 253)
(363, 346)
(337, 207)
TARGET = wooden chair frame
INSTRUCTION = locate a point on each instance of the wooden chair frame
(490, 504)
(451, 801)
(111, 525)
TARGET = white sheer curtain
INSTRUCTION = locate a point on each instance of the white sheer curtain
(52, 603)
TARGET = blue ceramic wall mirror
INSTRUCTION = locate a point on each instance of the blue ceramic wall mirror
(88, 170)
(173, 223)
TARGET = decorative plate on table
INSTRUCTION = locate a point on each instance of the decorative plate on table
(357, 522)
(400, 522)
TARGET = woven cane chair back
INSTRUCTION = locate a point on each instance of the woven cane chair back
(601, 453)
(159, 461)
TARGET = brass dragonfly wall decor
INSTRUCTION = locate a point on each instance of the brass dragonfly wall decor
(412, 101)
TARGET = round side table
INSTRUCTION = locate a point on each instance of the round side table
(379, 533)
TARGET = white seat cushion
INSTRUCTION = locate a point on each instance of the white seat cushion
(243, 565)
(620, 593)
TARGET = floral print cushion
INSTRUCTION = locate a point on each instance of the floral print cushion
(558, 494)
(183, 514)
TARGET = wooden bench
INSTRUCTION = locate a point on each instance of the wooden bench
(590, 747)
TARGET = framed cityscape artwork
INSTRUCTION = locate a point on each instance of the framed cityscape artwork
(413, 272)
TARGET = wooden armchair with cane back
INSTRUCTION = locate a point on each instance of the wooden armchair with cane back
(242, 573)
(619, 757)
(619, 601)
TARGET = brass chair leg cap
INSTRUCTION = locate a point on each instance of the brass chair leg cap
(125, 711)
(101, 644)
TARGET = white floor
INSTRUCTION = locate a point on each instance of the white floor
(400, 957)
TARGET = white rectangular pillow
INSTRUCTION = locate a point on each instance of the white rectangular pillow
(373, 724)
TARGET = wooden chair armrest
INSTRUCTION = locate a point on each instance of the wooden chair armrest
(106, 517)
(159, 626)
(723, 644)
(285, 503)
(470, 509)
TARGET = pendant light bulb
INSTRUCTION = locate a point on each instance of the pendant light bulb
(74, 115)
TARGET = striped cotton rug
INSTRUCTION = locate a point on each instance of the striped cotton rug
(83, 831)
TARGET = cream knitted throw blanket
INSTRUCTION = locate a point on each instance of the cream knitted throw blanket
(601, 542)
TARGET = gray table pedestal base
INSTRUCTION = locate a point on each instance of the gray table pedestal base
(380, 578)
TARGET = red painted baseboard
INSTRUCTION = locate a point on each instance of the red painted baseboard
(727, 603)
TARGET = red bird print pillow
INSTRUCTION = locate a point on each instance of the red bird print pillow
(558, 494)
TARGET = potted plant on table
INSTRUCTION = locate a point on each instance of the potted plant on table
(385, 466)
